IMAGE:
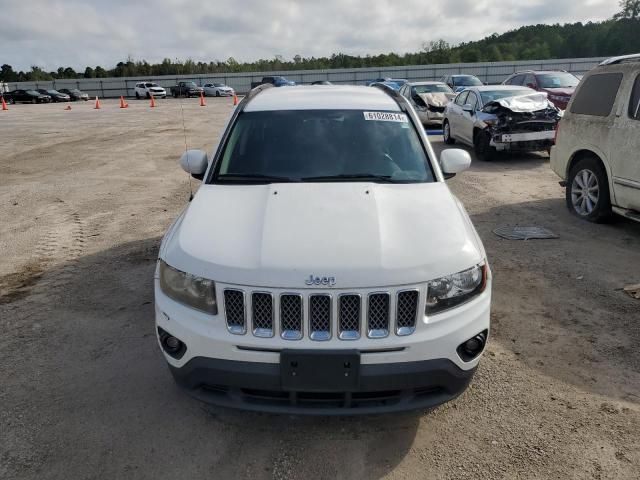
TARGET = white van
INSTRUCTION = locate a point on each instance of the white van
(597, 151)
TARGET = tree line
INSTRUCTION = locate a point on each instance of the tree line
(617, 36)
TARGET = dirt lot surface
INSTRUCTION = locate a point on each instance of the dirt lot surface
(85, 197)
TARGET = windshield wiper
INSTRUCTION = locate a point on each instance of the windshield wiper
(351, 176)
(255, 177)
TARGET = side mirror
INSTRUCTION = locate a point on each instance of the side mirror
(454, 161)
(531, 85)
(468, 108)
(194, 162)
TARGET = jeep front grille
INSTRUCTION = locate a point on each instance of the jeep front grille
(317, 315)
(234, 310)
(378, 315)
(406, 312)
(262, 310)
(349, 317)
(320, 317)
(291, 316)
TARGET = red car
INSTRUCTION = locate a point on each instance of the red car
(559, 84)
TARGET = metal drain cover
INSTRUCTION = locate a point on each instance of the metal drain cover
(524, 233)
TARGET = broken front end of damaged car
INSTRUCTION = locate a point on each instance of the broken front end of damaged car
(524, 123)
(430, 107)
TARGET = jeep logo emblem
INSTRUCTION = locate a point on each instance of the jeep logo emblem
(320, 281)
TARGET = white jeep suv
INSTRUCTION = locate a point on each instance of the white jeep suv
(323, 266)
(146, 89)
(597, 151)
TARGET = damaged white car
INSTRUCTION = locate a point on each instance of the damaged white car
(501, 118)
(429, 99)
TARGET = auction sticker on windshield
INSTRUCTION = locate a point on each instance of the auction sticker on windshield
(386, 117)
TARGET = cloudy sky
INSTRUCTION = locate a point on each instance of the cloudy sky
(52, 33)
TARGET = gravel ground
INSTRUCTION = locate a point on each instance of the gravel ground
(85, 196)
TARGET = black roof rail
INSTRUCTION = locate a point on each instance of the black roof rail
(623, 59)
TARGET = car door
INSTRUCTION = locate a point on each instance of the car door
(467, 119)
(455, 113)
(624, 145)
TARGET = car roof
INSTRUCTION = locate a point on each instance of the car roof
(322, 97)
(538, 72)
(431, 82)
(494, 88)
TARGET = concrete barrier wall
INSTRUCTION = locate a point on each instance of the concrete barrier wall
(490, 72)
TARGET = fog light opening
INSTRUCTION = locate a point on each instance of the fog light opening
(473, 347)
(171, 345)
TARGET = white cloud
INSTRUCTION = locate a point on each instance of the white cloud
(98, 32)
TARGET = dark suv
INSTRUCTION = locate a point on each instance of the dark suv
(558, 84)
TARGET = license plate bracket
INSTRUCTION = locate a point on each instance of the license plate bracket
(320, 370)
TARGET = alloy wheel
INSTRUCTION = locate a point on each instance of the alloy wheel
(585, 192)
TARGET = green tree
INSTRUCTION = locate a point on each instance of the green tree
(630, 9)
(89, 73)
(7, 74)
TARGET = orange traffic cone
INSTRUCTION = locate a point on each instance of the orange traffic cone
(153, 102)
(4, 104)
(97, 107)
(68, 107)
(235, 99)
(202, 102)
(123, 104)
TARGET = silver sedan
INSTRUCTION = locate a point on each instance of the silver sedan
(466, 122)
(217, 90)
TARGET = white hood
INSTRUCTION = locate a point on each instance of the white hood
(525, 103)
(364, 235)
(437, 99)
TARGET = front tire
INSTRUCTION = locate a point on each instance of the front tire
(446, 133)
(217, 93)
(148, 96)
(587, 193)
(137, 96)
(482, 146)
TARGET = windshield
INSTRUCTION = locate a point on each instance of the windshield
(492, 95)
(466, 81)
(33, 92)
(219, 85)
(53, 92)
(323, 145)
(151, 85)
(438, 87)
(557, 80)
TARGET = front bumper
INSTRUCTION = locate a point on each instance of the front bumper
(383, 388)
(524, 141)
(429, 117)
(420, 370)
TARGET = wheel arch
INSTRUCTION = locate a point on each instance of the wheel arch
(587, 152)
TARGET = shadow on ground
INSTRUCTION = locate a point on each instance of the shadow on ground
(88, 388)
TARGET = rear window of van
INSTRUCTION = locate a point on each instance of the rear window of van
(597, 95)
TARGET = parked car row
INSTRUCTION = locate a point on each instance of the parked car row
(141, 90)
(42, 95)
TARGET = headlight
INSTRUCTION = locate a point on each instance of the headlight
(450, 291)
(195, 292)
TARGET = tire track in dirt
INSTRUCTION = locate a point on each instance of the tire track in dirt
(54, 262)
